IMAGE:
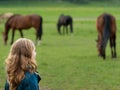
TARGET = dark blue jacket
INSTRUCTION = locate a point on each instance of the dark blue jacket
(30, 82)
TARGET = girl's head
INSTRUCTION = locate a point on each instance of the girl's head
(20, 59)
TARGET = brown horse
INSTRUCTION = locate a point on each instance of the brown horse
(106, 27)
(19, 22)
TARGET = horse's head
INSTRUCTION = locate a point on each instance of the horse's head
(98, 47)
(58, 28)
(101, 49)
(5, 38)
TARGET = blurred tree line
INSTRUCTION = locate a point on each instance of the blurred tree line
(72, 1)
(60, 0)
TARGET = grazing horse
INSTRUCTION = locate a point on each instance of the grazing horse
(5, 16)
(20, 22)
(106, 27)
(65, 21)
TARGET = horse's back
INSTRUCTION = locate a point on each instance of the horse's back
(36, 19)
(69, 19)
(24, 21)
(101, 23)
(11, 19)
(65, 20)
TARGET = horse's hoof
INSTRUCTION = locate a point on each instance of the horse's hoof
(114, 56)
(11, 43)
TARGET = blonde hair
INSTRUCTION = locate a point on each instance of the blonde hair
(19, 61)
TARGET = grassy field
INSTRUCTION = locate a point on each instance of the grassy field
(68, 62)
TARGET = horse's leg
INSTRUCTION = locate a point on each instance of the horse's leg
(114, 45)
(111, 46)
(104, 55)
(0, 20)
(103, 52)
(63, 30)
(21, 33)
(36, 38)
(66, 29)
(60, 31)
(13, 32)
(99, 43)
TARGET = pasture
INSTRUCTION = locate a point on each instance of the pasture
(68, 62)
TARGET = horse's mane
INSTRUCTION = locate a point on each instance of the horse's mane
(11, 18)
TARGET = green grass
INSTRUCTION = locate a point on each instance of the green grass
(68, 62)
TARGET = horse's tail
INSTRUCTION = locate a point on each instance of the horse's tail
(71, 26)
(40, 31)
(106, 31)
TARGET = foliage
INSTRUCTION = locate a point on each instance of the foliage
(72, 1)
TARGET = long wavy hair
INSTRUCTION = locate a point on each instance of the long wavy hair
(19, 61)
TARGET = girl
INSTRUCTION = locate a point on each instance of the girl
(21, 66)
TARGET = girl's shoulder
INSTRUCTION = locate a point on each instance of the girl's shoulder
(32, 77)
(30, 81)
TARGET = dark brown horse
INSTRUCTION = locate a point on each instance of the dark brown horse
(106, 27)
(65, 21)
(19, 22)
